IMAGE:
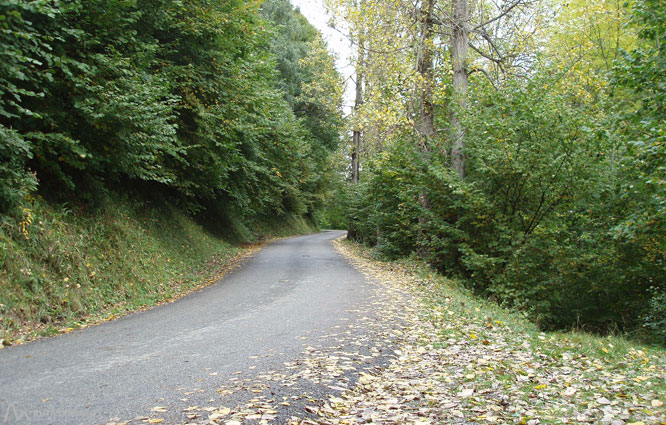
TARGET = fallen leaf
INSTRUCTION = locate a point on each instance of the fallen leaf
(569, 392)
(603, 400)
(466, 392)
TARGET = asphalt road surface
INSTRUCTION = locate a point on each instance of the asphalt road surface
(291, 290)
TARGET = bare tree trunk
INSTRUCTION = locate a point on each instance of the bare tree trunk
(356, 147)
(356, 134)
(426, 113)
(459, 42)
(424, 67)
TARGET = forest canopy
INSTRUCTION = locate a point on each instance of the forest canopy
(229, 103)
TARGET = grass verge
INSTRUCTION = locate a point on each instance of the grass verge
(485, 364)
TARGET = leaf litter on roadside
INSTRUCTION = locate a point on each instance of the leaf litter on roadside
(413, 355)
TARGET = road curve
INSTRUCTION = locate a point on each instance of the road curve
(260, 314)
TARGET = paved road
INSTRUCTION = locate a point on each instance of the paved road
(260, 314)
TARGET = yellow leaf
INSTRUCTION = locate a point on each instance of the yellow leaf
(219, 414)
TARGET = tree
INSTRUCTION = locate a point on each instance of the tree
(312, 87)
(23, 53)
(358, 102)
(192, 98)
(459, 43)
(643, 70)
(505, 160)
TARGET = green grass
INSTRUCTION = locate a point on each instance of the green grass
(466, 304)
(67, 267)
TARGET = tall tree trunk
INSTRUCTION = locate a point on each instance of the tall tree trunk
(459, 42)
(426, 113)
(424, 67)
(356, 147)
(356, 134)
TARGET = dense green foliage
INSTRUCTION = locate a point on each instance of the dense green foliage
(561, 211)
(184, 96)
(313, 89)
(644, 185)
(141, 116)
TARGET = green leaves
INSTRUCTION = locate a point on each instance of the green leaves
(643, 70)
(643, 169)
(15, 181)
(23, 50)
(184, 95)
(552, 218)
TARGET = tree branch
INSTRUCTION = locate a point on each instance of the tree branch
(490, 41)
(484, 72)
(486, 55)
(367, 49)
(500, 16)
